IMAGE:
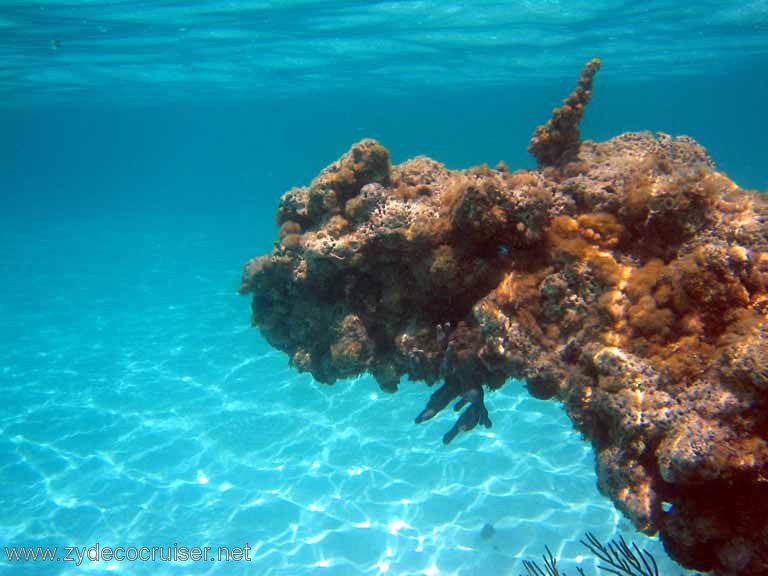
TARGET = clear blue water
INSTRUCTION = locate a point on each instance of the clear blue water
(144, 147)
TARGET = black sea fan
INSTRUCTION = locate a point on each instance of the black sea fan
(620, 558)
(616, 557)
(550, 566)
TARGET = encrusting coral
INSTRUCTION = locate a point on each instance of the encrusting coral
(626, 278)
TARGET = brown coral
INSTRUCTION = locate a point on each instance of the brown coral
(557, 142)
(629, 282)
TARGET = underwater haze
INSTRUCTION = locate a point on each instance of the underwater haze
(144, 148)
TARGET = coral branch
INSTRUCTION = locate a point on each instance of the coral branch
(629, 282)
(620, 559)
(617, 556)
(557, 142)
(550, 565)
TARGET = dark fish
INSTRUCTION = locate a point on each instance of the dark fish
(487, 532)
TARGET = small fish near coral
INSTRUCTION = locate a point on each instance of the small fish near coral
(627, 279)
(487, 532)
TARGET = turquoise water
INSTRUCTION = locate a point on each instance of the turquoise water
(144, 148)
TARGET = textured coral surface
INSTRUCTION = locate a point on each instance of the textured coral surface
(625, 278)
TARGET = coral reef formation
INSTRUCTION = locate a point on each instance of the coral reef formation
(625, 278)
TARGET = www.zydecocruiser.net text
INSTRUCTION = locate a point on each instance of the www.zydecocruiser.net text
(97, 553)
